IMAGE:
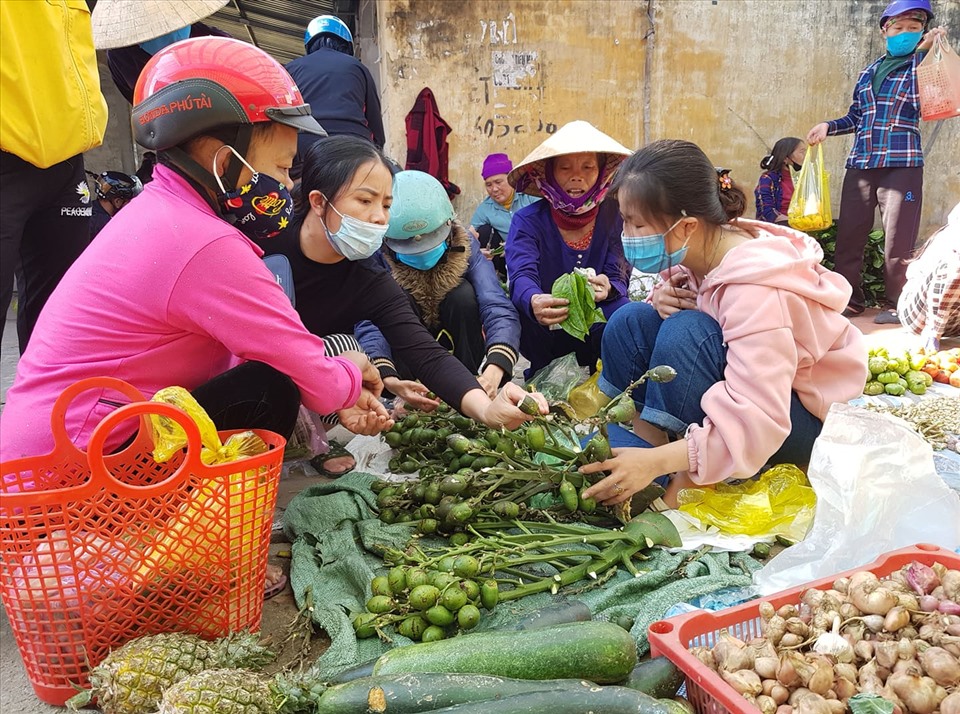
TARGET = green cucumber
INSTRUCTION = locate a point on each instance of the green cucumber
(358, 671)
(558, 614)
(658, 677)
(586, 698)
(419, 692)
(596, 651)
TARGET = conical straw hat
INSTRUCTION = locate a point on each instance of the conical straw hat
(120, 23)
(573, 138)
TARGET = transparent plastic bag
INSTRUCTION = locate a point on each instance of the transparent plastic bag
(877, 491)
(779, 502)
(938, 83)
(810, 205)
(586, 398)
(557, 379)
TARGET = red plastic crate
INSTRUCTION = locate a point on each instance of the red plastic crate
(707, 692)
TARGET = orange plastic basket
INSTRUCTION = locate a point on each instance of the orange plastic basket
(708, 693)
(97, 549)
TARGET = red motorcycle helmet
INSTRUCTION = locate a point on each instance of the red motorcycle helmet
(205, 83)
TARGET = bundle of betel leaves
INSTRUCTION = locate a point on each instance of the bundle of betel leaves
(498, 515)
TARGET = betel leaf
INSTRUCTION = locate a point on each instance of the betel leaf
(583, 311)
(869, 704)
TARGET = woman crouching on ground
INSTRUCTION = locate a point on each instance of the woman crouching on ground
(746, 315)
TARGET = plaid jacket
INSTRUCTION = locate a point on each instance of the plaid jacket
(930, 301)
(886, 123)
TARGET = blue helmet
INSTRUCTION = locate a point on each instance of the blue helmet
(328, 24)
(898, 7)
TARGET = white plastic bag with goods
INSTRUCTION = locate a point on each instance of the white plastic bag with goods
(877, 490)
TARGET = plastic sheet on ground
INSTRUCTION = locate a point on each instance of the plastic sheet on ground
(877, 490)
(335, 532)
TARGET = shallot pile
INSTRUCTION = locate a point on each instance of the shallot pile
(897, 638)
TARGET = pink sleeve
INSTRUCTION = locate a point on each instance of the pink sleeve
(748, 413)
(227, 292)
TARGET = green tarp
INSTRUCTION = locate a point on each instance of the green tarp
(336, 535)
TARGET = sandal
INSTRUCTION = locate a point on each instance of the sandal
(276, 588)
(887, 317)
(335, 451)
(851, 311)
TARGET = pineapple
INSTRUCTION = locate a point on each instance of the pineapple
(131, 680)
(240, 691)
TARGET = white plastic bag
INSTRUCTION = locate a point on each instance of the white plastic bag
(877, 490)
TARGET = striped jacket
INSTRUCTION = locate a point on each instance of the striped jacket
(886, 123)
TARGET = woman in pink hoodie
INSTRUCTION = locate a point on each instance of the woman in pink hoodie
(747, 316)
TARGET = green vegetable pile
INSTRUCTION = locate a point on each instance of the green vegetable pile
(584, 312)
(512, 506)
(896, 375)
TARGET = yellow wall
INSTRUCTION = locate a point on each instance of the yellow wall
(731, 75)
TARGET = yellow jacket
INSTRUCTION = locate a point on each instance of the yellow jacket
(49, 82)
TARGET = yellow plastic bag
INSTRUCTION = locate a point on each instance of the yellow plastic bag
(587, 399)
(199, 525)
(810, 205)
(779, 502)
(169, 437)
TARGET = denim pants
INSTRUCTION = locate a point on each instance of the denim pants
(637, 338)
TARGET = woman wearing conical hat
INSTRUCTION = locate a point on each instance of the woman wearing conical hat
(571, 228)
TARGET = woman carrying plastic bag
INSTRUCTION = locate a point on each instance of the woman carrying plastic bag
(885, 166)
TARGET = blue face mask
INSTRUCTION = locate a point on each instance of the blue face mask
(903, 44)
(648, 254)
(151, 47)
(424, 261)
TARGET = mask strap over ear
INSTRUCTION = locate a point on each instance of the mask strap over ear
(242, 161)
(242, 144)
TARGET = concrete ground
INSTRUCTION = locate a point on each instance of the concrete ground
(16, 694)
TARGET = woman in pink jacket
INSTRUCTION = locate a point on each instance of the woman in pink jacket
(173, 291)
(746, 315)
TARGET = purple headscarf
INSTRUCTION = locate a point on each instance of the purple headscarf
(541, 174)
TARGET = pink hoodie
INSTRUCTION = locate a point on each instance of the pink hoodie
(779, 310)
(167, 295)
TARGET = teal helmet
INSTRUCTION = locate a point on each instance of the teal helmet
(421, 216)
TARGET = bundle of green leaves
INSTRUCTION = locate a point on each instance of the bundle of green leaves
(583, 310)
(872, 260)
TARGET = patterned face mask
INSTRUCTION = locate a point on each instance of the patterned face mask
(260, 208)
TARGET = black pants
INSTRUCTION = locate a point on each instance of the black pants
(251, 396)
(899, 194)
(460, 329)
(44, 226)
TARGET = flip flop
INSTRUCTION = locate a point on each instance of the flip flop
(276, 588)
(336, 450)
(851, 311)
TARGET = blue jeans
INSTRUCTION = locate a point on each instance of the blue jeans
(637, 338)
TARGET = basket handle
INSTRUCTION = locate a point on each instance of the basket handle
(99, 471)
(58, 416)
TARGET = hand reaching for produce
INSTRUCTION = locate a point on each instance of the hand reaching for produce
(633, 469)
(549, 310)
(673, 296)
(504, 410)
(490, 380)
(367, 417)
(413, 393)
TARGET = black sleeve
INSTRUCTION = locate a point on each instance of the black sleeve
(390, 310)
(372, 111)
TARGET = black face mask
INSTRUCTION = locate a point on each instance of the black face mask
(796, 166)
